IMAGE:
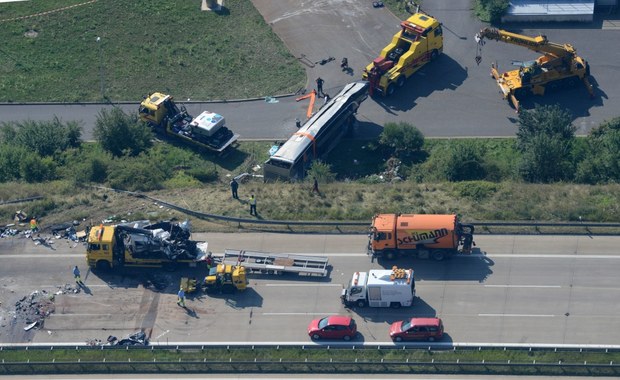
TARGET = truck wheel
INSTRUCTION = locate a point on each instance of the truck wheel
(391, 88)
(389, 255)
(103, 266)
(434, 55)
(571, 82)
(400, 82)
(347, 337)
(316, 336)
(398, 339)
(395, 305)
(438, 255)
(431, 339)
(360, 303)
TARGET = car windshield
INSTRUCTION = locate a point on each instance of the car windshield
(323, 323)
(405, 326)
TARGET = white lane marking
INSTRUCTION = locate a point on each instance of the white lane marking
(518, 315)
(310, 284)
(546, 256)
(68, 283)
(318, 313)
(46, 255)
(523, 286)
(56, 315)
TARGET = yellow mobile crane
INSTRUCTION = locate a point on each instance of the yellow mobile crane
(559, 66)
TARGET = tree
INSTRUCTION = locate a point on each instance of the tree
(121, 134)
(46, 138)
(464, 162)
(401, 138)
(601, 162)
(495, 8)
(34, 168)
(545, 139)
(10, 157)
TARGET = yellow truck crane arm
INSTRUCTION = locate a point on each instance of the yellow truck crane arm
(539, 44)
(559, 66)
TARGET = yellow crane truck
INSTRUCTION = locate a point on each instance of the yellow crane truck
(419, 41)
(422, 236)
(142, 244)
(208, 130)
(559, 67)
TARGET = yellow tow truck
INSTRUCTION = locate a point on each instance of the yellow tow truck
(419, 41)
(143, 244)
(208, 130)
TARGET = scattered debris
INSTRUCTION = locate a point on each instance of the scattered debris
(135, 339)
(31, 326)
(156, 281)
(325, 60)
(34, 308)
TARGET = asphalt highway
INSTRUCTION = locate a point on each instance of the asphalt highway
(515, 289)
(452, 97)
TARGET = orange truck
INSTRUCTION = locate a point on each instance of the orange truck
(423, 236)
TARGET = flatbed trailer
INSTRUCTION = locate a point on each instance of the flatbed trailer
(276, 263)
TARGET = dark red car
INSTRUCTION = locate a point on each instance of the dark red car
(430, 329)
(333, 327)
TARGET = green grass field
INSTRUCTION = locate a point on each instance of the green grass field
(145, 45)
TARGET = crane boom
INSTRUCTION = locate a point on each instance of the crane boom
(539, 44)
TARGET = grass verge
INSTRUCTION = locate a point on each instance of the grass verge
(51, 51)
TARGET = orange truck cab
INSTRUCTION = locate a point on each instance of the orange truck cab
(423, 236)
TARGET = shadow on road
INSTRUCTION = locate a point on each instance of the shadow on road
(389, 315)
(476, 267)
(446, 74)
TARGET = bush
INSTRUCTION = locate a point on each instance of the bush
(33, 168)
(464, 162)
(601, 161)
(121, 134)
(476, 190)
(136, 174)
(10, 157)
(545, 139)
(492, 10)
(402, 139)
(321, 171)
(46, 138)
(203, 174)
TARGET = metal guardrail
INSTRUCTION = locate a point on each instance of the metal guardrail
(587, 226)
(278, 364)
(21, 200)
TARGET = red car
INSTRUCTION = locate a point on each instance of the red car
(417, 329)
(333, 327)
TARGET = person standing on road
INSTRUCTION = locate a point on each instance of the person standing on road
(319, 86)
(253, 205)
(234, 185)
(76, 275)
(181, 298)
